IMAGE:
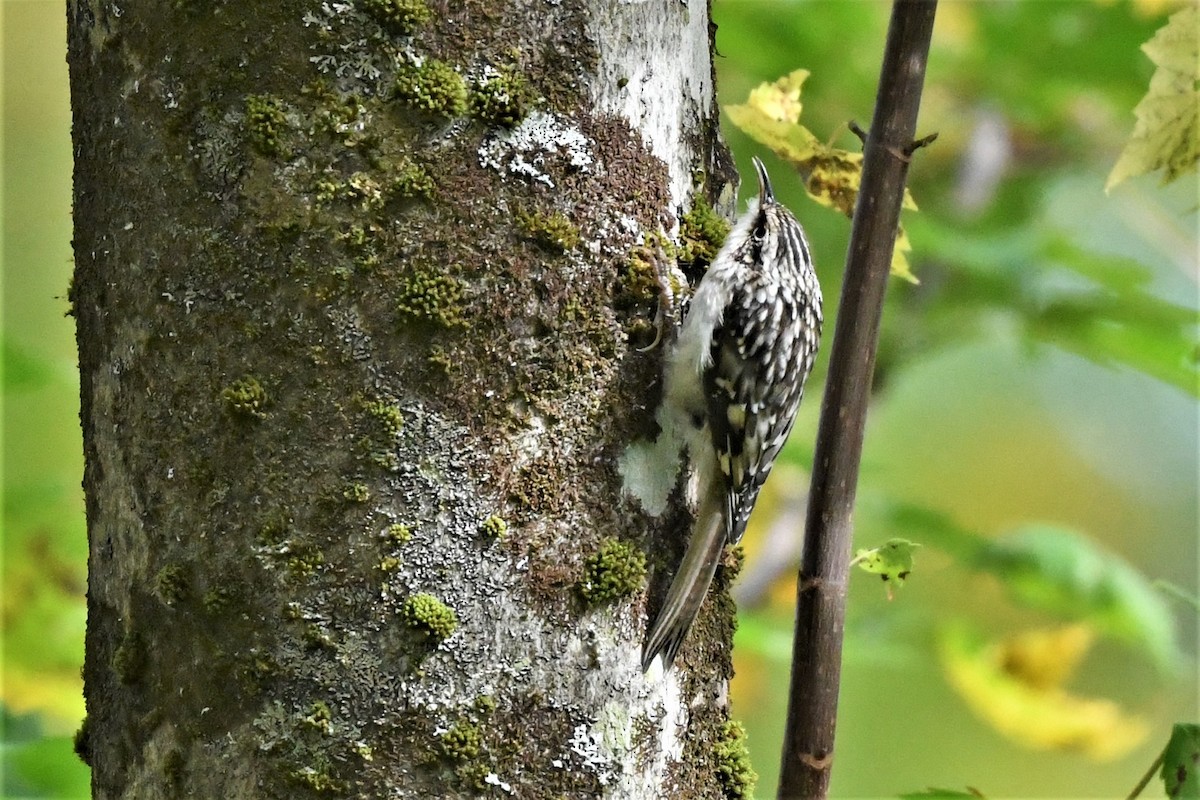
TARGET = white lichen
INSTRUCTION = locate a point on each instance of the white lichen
(540, 140)
(492, 779)
(649, 469)
(362, 59)
(587, 747)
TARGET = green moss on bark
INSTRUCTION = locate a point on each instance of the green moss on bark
(734, 772)
(434, 87)
(401, 17)
(702, 231)
(265, 124)
(501, 98)
(82, 742)
(494, 527)
(246, 397)
(388, 417)
(426, 296)
(461, 742)
(397, 534)
(614, 571)
(553, 232)
(129, 660)
(171, 584)
(430, 616)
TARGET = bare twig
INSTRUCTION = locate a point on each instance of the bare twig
(1149, 776)
(821, 592)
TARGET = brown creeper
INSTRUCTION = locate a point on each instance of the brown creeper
(733, 385)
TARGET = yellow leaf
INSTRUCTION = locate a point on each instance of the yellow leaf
(832, 176)
(1045, 658)
(1016, 686)
(1167, 133)
(780, 101)
(793, 142)
(900, 266)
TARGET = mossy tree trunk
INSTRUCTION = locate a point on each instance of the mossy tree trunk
(359, 288)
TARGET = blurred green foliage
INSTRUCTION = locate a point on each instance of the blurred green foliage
(1059, 571)
(43, 572)
(1035, 394)
(1043, 373)
(35, 764)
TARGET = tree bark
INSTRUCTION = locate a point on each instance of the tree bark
(358, 288)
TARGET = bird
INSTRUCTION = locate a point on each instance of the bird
(732, 385)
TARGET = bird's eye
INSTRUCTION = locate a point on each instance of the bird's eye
(760, 230)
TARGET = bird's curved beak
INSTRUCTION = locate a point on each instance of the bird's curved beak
(765, 193)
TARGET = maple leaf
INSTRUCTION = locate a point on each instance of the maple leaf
(1167, 133)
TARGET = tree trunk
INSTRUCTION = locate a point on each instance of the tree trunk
(359, 288)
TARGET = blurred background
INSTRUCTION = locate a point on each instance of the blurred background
(1036, 392)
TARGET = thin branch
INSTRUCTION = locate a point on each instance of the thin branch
(1150, 773)
(821, 589)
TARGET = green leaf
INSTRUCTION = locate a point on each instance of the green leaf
(892, 561)
(1117, 319)
(1101, 307)
(936, 529)
(1181, 762)
(1067, 574)
(940, 794)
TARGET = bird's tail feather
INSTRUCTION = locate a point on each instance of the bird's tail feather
(690, 585)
